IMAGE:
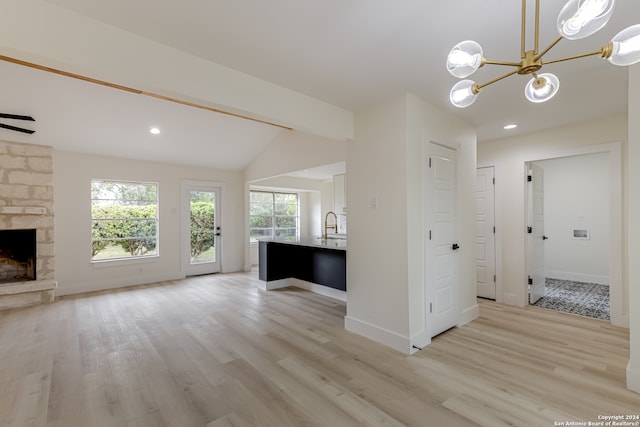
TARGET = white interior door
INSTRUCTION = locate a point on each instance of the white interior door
(201, 228)
(441, 244)
(485, 233)
(535, 233)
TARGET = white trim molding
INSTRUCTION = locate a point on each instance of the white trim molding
(633, 378)
(375, 333)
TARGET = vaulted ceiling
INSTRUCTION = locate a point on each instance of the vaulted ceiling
(350, 54)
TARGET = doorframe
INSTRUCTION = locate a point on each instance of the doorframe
(184, 219)
(619, 313)
(497, 218)
(495, 235)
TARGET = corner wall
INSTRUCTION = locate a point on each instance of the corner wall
(385, 260)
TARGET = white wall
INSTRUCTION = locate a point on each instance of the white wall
(576, 196)
(633, 216)
(72, 176)
(508, 156)
(292, 151)
(385, 259)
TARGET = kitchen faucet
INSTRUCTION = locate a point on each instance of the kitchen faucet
(327, 226)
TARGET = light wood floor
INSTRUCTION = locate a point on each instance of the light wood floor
(215, 351)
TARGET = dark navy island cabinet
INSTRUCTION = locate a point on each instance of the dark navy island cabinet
(312, 263)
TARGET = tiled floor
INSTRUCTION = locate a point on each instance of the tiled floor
(585, 299)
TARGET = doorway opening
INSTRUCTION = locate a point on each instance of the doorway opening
(569, 234)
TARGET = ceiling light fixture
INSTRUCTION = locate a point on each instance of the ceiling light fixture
(510, 126)
(577, 19)
(155, 131)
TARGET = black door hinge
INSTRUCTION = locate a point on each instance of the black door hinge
(429, 161)
(529, 230)
(530, 280)
(529, 178)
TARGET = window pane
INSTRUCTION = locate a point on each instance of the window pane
(202, 226)
(260, 221)
(285, 222)
(284, 209)
(261, 233)
(262, 209)
(261, 197)
(273, 215)
(124, 219)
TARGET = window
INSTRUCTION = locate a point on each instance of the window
(124, 219)
(273, 216)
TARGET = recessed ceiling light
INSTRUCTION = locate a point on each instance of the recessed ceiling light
(510, 126)
(154, 131)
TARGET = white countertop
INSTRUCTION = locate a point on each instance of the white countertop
(317, 242)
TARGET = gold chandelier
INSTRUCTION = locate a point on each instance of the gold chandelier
(577, 19)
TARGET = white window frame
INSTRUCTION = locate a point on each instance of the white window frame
(129, 258)
(274, 216)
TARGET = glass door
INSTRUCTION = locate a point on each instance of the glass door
(202, 234)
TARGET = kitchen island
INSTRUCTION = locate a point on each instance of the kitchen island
(319, 265)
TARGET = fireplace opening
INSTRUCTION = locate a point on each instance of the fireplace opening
(17, 255)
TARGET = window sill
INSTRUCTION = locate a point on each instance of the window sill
(121, 262)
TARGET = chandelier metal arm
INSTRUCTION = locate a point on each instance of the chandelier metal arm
(547, 49)
(583, 55)
(477, 87)
(510, 64)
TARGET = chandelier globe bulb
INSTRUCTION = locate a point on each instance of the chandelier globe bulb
(464, 93)
(542, 87)
(581, 18)
(625, 47)
(464, 59)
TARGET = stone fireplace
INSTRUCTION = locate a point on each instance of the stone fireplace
(26, 225)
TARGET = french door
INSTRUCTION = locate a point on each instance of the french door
(201, 237)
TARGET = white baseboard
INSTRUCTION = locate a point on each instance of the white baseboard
(375, 333)
(79, 288)
(469, 314)
(307, 286)
(274, 284)
(633, 378)
(577, 277)
(420, 341)
(512, 299)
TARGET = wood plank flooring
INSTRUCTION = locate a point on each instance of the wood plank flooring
(215, 351)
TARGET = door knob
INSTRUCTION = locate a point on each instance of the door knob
(544, 237)
(455, 246)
